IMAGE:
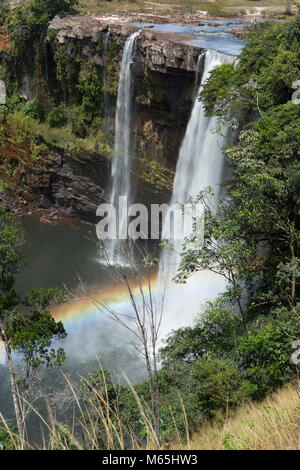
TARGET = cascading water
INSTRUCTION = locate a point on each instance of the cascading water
(121, 158)
(200, 164)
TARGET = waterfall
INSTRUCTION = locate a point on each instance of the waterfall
(120, 169)
(200, 164)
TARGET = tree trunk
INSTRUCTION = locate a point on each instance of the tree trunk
(14, 387)
(152, 394)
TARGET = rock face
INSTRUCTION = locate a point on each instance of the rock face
(74, 186)
(164, 72)
(52, 178)
(160, 51)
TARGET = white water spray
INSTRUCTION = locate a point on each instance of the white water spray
(200, 164)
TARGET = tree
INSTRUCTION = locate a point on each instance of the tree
(288, 7)
(215, 334)
(25, 326)
(264, 73)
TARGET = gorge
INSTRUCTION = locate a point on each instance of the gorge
(169, 336)
(153, 121)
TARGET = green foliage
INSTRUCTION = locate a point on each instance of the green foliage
(266, 70)
(215, 334)
(264, 354)
(27, 27)
(153, 85)
(218, 88)
(64, 438)
(11, 260)
(31, 336)
(9, 437)
(202, 389)
(112, 68)
(78, 120)
(102, 383)
(207, 388)
(77, 84)
(30, 109)
(80, 83)
(28, 20)
(4, 10)
(90, 89)
(57, 116)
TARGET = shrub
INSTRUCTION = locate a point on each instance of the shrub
(4, 10)
(215, 334)
(32, 109)
(8, 438)
(264, 355)
(57, 116)
(79, 126)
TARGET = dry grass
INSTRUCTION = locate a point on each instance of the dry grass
(273, 424)
(170, 7)
(95, 419)
(175, 8)
(213, 7)
(92, 7)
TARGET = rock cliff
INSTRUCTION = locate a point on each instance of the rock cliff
(78, 73)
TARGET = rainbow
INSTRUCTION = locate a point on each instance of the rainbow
(84, 310)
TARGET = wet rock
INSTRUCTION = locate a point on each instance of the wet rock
(240, 33)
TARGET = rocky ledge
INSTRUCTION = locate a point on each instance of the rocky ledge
(159, 51)
(59, 187)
